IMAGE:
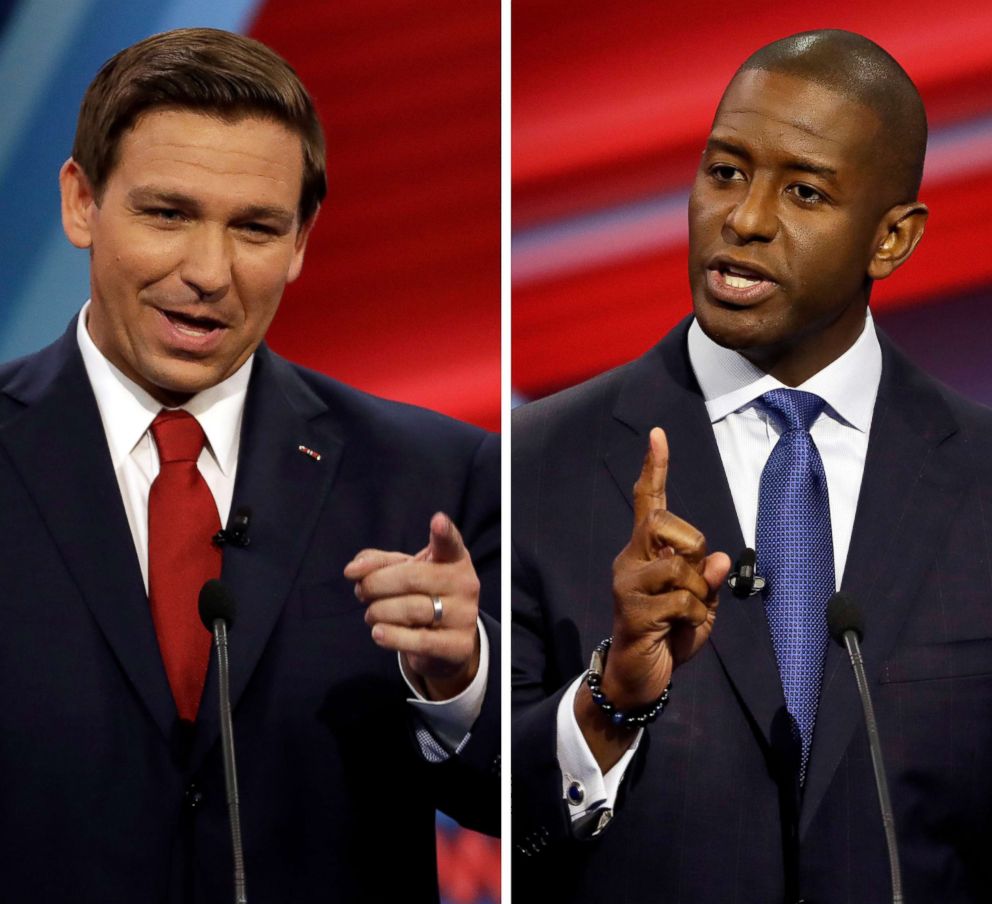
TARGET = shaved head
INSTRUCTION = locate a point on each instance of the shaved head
(859, 69)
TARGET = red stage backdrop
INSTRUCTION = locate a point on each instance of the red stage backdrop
(400, 291)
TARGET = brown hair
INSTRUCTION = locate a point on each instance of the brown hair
(206, 69)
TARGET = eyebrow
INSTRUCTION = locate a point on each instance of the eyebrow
(149, 194)
(797, 164)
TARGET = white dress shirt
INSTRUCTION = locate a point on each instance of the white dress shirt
(127, 412)
(745, 436)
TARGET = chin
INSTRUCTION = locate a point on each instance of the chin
(737, 330)
(180, 384)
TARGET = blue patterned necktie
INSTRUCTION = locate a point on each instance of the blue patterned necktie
(795, 554)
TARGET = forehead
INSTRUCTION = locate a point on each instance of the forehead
(203, 153)
(773, 112)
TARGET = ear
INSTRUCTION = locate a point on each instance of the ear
(296, 264)
(78, 204)
(898, 234)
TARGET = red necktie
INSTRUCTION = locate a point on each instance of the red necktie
(182, 520)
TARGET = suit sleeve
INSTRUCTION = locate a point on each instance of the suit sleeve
(551, 514)
(467, 784)
(480, 521)
(539, 817)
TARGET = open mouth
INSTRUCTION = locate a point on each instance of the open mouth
(739, 278)
(734, 284)
(192, 326)
(185, 334)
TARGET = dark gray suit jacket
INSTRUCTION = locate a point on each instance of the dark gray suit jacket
(710, 811)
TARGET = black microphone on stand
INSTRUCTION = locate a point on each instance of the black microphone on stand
(217, 608)
(846, 626)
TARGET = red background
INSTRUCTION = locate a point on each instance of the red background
(400, 290)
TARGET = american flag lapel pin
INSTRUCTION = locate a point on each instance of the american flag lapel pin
(312, 453)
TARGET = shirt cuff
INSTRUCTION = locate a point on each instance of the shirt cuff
(451, 721)
(590, 794)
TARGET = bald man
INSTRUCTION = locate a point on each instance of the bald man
(715, 751)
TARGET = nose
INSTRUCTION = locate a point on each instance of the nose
(207, 262)
(753, 218)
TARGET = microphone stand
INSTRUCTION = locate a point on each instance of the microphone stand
(227, 751)
(875, 746)
(846, 626)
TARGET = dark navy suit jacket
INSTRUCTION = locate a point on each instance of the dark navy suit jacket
(103, 797)
(710, 811)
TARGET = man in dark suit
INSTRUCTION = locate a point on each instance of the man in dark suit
(749, 779)
(159, 416)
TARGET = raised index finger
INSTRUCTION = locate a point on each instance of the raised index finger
(649, 491)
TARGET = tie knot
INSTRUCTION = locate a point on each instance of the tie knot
(178, 436)
(792, 408)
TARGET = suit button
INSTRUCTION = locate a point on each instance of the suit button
(193, 796)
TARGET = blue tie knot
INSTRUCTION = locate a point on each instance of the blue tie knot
(793, 409)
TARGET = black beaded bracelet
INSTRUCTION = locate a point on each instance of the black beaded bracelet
(632, 719)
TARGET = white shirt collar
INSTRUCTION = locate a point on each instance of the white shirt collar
(730, 382)
(127, 410)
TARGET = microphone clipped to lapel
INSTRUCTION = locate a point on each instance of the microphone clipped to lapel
(743, 580)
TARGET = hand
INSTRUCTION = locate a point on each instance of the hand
(664, 606)
(664, 589)
(398, 589)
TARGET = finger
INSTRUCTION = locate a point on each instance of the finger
(678, 606)
(661, 576)
(450, 646)
(715, 571)
(369, 560)
(412, 577)
(445, 544)
(415, 611)
(649, 491)
(662, 530)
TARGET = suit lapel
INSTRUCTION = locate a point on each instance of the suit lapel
(59, 449)
(285, 490)
(662, 391)
(889, 551)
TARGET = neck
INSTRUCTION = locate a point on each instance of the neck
(795, 361)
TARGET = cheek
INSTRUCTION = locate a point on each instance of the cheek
(705, 215)
(828, 263)
(260, 280)
(136, 261)
(706, 237)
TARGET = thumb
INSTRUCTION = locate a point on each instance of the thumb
(715, 570)
(445, 544)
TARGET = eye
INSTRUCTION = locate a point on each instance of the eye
(806, 193)
(165, 214)
(725, 172)
(258, 232)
